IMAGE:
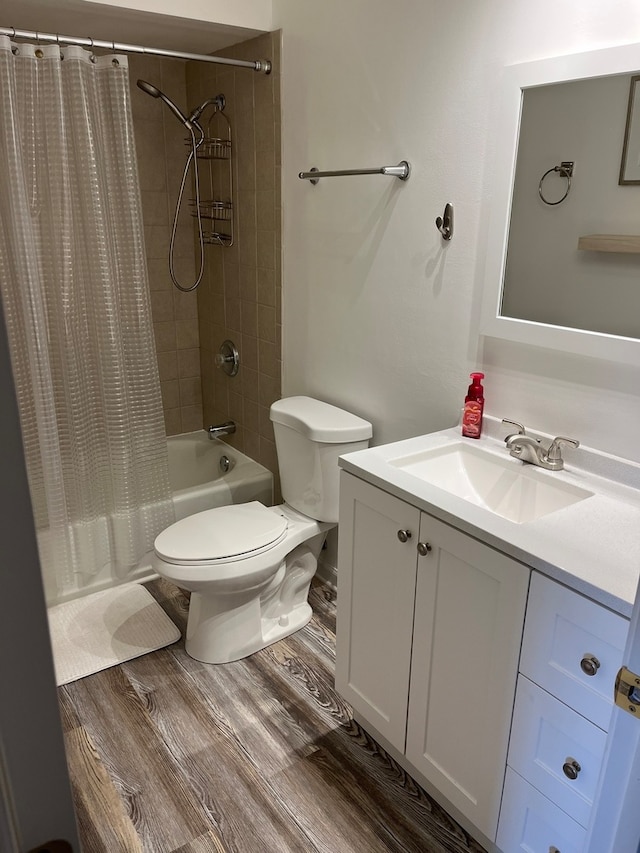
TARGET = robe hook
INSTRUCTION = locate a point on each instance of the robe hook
(444, 223)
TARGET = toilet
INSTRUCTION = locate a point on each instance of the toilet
(248, 566)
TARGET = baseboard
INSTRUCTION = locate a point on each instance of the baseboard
(327, 573)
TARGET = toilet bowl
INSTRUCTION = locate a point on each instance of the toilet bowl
(249, 567)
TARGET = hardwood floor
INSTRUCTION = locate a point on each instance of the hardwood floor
(168, 755)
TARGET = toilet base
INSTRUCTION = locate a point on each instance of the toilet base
(223, 643)
(225, 628)
(209, 646)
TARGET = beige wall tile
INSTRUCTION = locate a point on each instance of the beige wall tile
(250, 318)
(167, 365)
(251, 388)
(249, 352)
(185, 305)
(270, 390)
(156, 239)
(266, 249)
(187, 334)
(191, 418)
(268, 359)
(170, 394)
(248, 283)
(267, 324)
(266, 286)
(188, 363)
(240, 297)
(190, 392)
(161, 158)
(173, 421)
(155, 207)
(165, 337)
(161, 306)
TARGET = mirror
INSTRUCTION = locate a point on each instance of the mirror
(563, 262)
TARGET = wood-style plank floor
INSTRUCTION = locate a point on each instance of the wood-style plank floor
(168, 755)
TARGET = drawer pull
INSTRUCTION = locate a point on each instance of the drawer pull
(423, 548)
(571, 768)
(404, 535)
(589, 664)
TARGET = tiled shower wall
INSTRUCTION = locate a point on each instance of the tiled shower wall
(161, 156)
(240, 296)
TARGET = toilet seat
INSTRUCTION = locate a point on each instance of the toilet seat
(224, 534)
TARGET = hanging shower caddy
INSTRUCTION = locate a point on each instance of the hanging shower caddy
(216, 181)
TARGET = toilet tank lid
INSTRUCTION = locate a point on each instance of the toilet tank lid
(320, 421)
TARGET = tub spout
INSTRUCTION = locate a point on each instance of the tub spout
(227, 428)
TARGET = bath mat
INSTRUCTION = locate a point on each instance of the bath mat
(105, 629)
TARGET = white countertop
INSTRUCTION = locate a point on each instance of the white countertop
(592, 546)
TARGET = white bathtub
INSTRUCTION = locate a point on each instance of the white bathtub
(197, 482)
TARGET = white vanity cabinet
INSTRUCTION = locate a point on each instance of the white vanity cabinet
(571, 651)
(429, 628)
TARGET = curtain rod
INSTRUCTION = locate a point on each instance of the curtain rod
(261, 65)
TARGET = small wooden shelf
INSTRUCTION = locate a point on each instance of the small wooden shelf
(626, 243)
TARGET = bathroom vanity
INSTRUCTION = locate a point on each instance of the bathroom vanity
(483, 608)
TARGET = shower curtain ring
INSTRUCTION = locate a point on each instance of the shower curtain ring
(38, 51)
(92, 57)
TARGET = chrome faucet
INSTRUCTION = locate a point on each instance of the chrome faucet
(528, 449)
(227, 428)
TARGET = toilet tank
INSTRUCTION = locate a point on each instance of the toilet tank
(310, 436)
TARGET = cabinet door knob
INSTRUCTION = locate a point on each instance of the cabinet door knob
(423, 548)
(589, 664)
(404, 535)
(571, 768)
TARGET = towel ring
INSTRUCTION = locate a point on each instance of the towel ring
(565, 170)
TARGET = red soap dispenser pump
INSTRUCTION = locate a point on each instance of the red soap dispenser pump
(473, 407)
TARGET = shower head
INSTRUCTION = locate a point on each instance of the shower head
(156, 93)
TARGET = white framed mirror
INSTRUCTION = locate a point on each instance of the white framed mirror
(563, 254)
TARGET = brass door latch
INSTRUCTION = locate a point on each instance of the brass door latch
(627, 691)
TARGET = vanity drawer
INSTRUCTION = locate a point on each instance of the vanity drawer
(564, 632)
(531, 823)
(545, 735)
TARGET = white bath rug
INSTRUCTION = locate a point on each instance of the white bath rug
(105, 629)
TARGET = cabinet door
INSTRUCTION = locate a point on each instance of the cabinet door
(470, 603)
(376, 587)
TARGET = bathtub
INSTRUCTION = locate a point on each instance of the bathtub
(198, 483)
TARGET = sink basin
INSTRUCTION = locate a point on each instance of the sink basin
(506, 487)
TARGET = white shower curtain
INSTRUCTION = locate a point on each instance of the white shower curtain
(74, 288)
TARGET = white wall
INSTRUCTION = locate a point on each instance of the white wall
(380, 315)
(255, 14)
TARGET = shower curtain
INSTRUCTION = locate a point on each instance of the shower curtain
(74, 288)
